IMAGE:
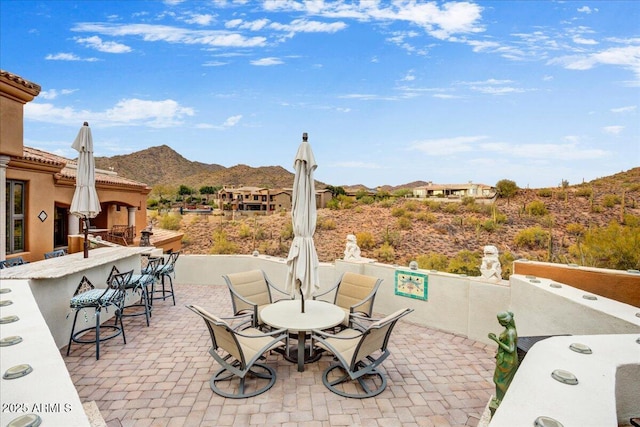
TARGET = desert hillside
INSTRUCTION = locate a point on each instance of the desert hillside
(417, 227)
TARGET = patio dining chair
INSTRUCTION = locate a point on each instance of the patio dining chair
(238, 352)
(167, 270)
(359, 352)
(355, 294)
(54, 254)
(250, 293)
(86, 297)
(7, 263)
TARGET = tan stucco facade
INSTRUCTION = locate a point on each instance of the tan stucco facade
(50, 183)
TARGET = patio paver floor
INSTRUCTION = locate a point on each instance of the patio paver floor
(161, 377)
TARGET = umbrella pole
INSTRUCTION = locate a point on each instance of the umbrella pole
(86, 237)
(301, 297)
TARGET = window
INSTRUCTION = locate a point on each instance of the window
(15, 216)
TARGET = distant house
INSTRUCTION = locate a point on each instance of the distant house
(259, 199)
(36, 187)
(454, 191)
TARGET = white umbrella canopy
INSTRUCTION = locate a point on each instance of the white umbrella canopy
(85, 203)
(303, 261)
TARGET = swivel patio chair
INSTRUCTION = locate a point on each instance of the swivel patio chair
(87, 296)
(54, 254)
(166, 271)
(142, 283)
(355, 294)
(358, 354)
(238, 352)
(250, 293)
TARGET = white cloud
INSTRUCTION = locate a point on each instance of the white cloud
(53, 93)
(626, 56)
(356, 165)
(96, 43)
(232, 121)
(306, 26)
(439, 21)
(580, 40)
(169, 34)
(586, 9)
(267, 61)
(569, 150)
(613, 130)
(447, 146)
(214, 63)
(256, 25)
(200, 19)
(68, 57)
(131, 112)
(627, 109)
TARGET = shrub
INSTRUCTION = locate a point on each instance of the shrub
(392, 238)
(488, 225)
(610, 200)
(427, 217)
(506, 262)
(326, 224)
(287, 231)
(468, 200)
(412, 206)
(545, 192)
(387, 203)
(365, 240)
(221, 245)
(170, 221)
(398, 212)
(385, 253)
(333, 204)
(152, 203)
(465, 262)
(584, 192)
(614, 246)
(245, 231)
(367, 200)
(433, 261)
(404, 223)
(536, 208)
(533, 237)
(575, 229)
(450, 207)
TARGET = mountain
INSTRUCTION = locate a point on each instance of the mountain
(155, 165)
(163, 165)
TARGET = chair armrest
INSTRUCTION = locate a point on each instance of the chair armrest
(272, 286)
(333, 288)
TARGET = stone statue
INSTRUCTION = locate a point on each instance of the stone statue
(506, 357)
(491, 268)
(352, 251)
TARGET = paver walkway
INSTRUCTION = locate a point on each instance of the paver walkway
(161, 377)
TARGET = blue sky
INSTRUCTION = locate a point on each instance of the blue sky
(389, 92)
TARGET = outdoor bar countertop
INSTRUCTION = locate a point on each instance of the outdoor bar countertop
(63, 266)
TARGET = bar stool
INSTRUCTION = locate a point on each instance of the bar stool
(141, 283)
(87, 296)
(166, 270)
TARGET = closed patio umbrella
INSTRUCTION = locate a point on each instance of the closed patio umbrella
(85, 203)
(302, 261)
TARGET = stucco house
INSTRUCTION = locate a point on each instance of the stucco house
(36, 187)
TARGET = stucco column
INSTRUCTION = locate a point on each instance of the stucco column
(4, 162)
(73, 224)
(132, 216)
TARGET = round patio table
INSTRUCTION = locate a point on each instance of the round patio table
(288, 315)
